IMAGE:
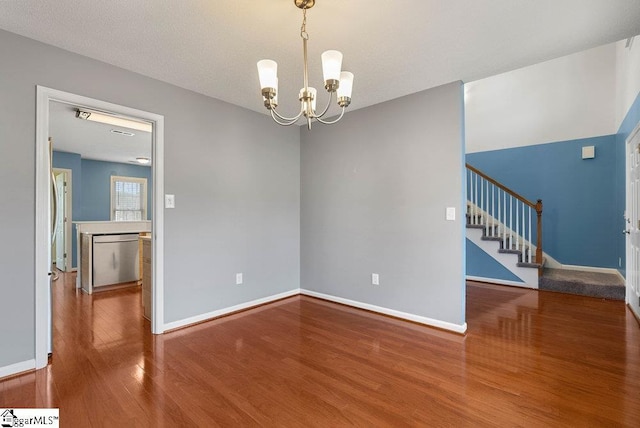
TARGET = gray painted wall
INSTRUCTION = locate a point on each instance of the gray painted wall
(235, 175)
(374, 192)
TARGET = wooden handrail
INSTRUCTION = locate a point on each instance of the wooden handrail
(537, 206)
(503, 187)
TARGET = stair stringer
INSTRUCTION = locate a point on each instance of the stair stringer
(527, 275)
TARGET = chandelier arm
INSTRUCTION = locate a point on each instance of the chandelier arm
(285, 118)
(331, 122)
(316, 116)
(286, 123)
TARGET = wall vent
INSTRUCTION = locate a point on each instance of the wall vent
(119, 132)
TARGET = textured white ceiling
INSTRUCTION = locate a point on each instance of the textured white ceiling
(393, 47)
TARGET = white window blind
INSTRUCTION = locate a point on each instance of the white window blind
(128, 198)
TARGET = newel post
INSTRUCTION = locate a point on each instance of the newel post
(539, 230)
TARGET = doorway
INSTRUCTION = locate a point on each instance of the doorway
(43, 259)
(61, 248)
(632, 218)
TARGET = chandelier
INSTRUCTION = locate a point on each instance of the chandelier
(335, 81)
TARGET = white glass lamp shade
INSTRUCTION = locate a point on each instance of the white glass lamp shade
(346, 84)
(268, 73)
(331, 65)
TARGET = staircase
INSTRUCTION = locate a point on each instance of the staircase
(504, 225)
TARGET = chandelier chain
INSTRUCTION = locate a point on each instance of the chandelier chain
(303, 28)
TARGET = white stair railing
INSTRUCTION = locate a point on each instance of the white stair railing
(504, 214)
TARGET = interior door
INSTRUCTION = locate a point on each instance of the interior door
(632, 217)
(60, 223)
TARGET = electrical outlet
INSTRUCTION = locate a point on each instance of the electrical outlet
(375, 279)
(238, 278)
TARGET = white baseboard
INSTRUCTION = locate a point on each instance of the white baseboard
(457, 328)
(220, 312)
(16, 368)
(550, 262)
(497, 281)
(593, 269)
(634, 311)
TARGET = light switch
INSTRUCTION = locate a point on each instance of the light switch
(451, 213)
(169, 201)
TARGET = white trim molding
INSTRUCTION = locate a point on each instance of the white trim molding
(593, 269)
(16, 368)
(231, 309)
(634, 312)
(456, 328)
(44, 96)
(498, 281)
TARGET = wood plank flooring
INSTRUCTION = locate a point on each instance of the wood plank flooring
(529, 359)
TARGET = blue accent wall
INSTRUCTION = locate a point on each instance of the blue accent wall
(580, 212)
(482, 265)
(96, 187)
(91, 193)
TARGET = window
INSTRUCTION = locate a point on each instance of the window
(128, 198)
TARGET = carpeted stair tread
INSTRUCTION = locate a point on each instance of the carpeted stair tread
(510, 251)
(533, 264)
(594, 284)
(475, 226)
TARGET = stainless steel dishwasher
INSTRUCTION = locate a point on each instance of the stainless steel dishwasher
(115, 259)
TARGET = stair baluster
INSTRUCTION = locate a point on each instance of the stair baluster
(529, 235)
(517, 233)
(475, 197)
(500, 222)
(493, 210)
(504, 219)
(486, 193)
(510, 222)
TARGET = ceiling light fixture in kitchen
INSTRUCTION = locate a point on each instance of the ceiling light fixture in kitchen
(95, 116)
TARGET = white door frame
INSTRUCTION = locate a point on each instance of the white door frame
(43, 201)
(68, 212)
(631, 276)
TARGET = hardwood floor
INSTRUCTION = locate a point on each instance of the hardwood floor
(529, 359)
